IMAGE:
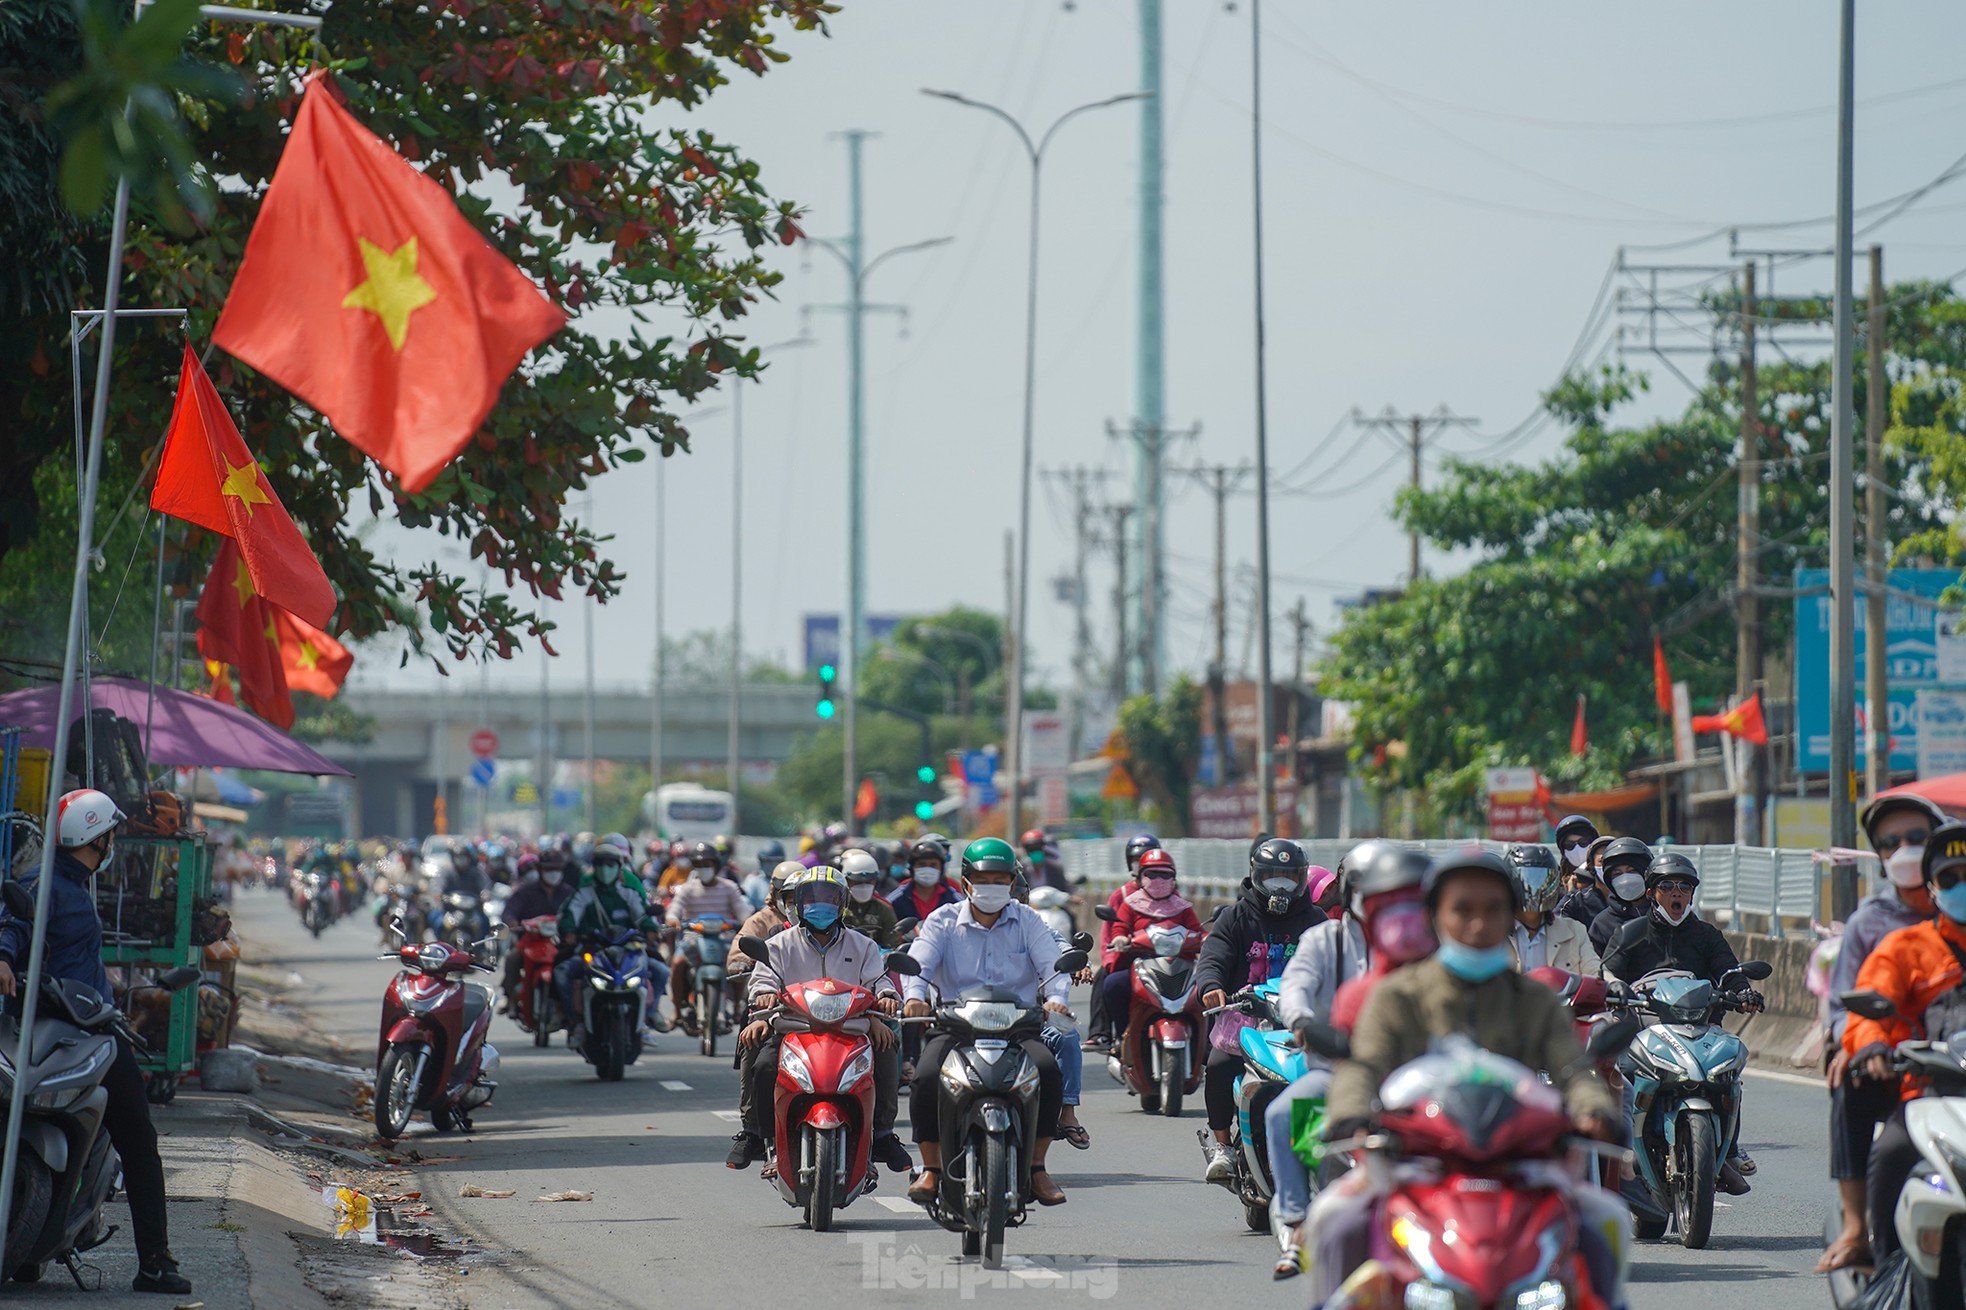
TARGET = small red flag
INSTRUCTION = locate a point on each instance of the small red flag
(1661, 677)
(313, 661)
(1580, 737)
(867, 800)
(368, 295)
(221, 688)
(208, 477)
(237, 625)
(1744, 721)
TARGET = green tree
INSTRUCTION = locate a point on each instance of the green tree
(1160, 744)
(559, 127)
(928, 661)
(703, 657)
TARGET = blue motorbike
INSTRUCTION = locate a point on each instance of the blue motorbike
(1272, 1060)
(613, 1001)
(1685, 1071)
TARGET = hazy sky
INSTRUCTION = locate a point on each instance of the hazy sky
(1446, 187)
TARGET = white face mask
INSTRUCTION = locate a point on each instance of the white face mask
(1675, 920)
(551, 877)
(927, 875)
(1575, 856)
(1903, 868)
(989, 897)
(706, 876)
(1628, 886)
(862, 892)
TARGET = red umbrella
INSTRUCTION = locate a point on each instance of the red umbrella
(188, 731)
(1947, 792)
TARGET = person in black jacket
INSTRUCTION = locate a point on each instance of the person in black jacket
(1624, 864)
(1250, 941)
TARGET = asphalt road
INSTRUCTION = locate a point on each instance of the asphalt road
(670, 1225)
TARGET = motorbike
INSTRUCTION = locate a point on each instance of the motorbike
(537, 1006)
(316, 902)
(613, 1002)
(707, 947)
(1161, 1055)
(1930, 1216)
(495, 913)
(1272, 1060)
(431, 1053)
(820, 1148)
(987, 1106)
(462, 921)
(1051, 903)
(1472, 1198)
(1685, 1071)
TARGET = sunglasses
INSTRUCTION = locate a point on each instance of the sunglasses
(1573, 843)
(1675, 885)
(1916, 837)
(1946, 879)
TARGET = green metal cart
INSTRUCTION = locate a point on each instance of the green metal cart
(149, 899)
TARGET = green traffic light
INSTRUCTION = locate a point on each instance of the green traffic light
(924, 811)
(926, 773)
(825, 709)
(825, 673)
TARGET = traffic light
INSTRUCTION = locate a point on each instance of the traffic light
(926, 774)
(924, 810)
(826, 706)
(925, 807)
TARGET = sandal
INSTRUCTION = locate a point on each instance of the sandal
(927, 1183)
(1075, 1136)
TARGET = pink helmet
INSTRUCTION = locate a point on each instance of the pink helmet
(1323, 884)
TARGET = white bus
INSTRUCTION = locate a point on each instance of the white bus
(686, 811)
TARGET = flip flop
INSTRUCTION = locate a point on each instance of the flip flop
(1853, 1257)
(1076, 1136)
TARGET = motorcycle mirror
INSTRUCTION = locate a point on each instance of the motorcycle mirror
(1217, 914)
(907, 925)
(1325, 1040)
(1105, 914)
(180, 978)
(1613, 1037)
(1082, 941)
(1070, 962)
(1869, 1005)
(396, 926)
(754, 947)
(19, 903)
(902, 962)
(1756, 970)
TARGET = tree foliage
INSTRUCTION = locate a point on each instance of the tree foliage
(1159, 739)
(558, 124)
(923, 665)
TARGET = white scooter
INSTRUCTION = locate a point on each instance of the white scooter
(1051, 903)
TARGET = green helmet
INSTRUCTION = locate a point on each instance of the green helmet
(989, 855)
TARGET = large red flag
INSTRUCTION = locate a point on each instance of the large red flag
(367, 294)
(237, 626)
(313, 661)
(1661, 677)
(1580, 737)
(208, 477)
(1744, 721)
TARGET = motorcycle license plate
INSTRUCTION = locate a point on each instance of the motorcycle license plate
(991, 1044)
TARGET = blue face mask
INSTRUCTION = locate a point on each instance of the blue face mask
(1471, 965)
(1952, 902)
(820, 917)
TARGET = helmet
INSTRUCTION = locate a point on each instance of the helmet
(722, 844)
(1033, 839)
(783, 876)
(84, 815)
(657, 848)
(1626, 849)
(947, 848)
(1594, 853)
(1472, 860)
(1578, 822)
(820, 887)
(1385, 867)
(1884, 805)
(1354, 862)
(770, 854)
(1670, 864)
(617, 843)
(988, 855)
(1157, 862)
(832, 834)
(704, 856)
(1323, 883)
(1536, 869)
(528, 865)
(1137, 845)
(606, 853)
(929, 850)
(1944, 849)
(859, 866)
(1277, 857)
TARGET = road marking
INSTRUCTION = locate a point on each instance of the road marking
(1799, 1080)
(671, 1085)
(898, 1204)
(729, 1116)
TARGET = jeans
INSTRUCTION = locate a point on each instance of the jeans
(127, 1119)
(1291, 1174)
(1066, 1048)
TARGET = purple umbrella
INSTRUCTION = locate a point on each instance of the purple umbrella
(190, 732)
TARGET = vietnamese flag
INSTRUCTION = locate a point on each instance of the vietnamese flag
(221, 688)
(866, 800)
(208, 477)
(236, 625)
(312, 660)
(1580, 737)
(1661, 677)
(368, 295)
(1744, 721)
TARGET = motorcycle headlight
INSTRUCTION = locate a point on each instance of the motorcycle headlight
(73, 1087)
(956, 1077)
(1731, 1065)
(860, 1066)
(828, 1007)
(1026, 1081)
(1543, 1296)
(600, 983)
(635, 980)
(1432, 1296)
(791, 1062)
(988, 1016)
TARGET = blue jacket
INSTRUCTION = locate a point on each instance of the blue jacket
(74, 936)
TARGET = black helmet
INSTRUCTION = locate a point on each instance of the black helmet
(1576, 822)
(1670, 864)
(942, 843)
(1137, 845)
(1277, 857)
(1536, 869)
(1376, 867)
(704, 855)
(1472, 860)
(770, 855)
(1944, 849)
(928, 851)
(1626, 848)
(1884, 805)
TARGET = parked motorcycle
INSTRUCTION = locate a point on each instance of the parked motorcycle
(1161, 1055)
(1686, 1073)
(613, 1002)
(431, 1053)
(707, 947)
(537, 1006)
(820, 1147)
(1272, 1060)
(987, 1105)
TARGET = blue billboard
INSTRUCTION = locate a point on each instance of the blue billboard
(822, 636)
(1912, 635)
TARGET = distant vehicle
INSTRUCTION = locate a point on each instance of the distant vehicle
(434, 856)
(685, 811)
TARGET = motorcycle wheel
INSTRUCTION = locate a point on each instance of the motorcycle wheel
(442, 1119)
(1257, 1215)
(395, 1092)
(819, 1201)
(996, 1199)
(1171, 1083)
(34, 1191)
(709, 1018)
(611, 1050)
(542, 1013)
(1692, 1199)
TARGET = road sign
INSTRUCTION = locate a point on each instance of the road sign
(979, 767)
(483, 771)
(1915, 640)
(484, 743)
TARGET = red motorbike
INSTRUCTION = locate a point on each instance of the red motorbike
(1475, 1204)
(823, 1103)
(537, 1007)
(432, 1054)
(1161, 1056)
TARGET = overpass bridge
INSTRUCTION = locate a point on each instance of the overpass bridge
(421, 740)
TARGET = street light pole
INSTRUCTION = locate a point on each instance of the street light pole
(1842, 491)
(1014, 714)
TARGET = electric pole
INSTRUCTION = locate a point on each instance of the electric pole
(1120, 514)
(1417, 430)
(1300, 623)
(1747, 604)
(1150, 443)
(1877, 691)
(1080, 480)
(1149, 404)
(1842, 470)
(1221, 479)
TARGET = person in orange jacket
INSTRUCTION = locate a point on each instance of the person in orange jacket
(1921, 970)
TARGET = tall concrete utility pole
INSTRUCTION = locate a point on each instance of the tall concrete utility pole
(1877, 691)
(1300, 623)
(1221, 479)
(545, 773)
(1080, 481)
(1747, 604)
(1151, 444)
(1150, 407)
(588, 605)
(1265, 685)
(1842, 474)
(655, 699)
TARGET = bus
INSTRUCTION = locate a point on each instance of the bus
(687, 811)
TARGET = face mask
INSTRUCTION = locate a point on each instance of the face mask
(1952, 902)
(927, 875)
(862, 892)
(1675, 921)
(1903, 868)
(1575, 856)
(706, 876)
(1471, 965)
(989, 897)
(1402, 934)
(551, 877)
(1159, 888)
(1628, 886)
(607, 875)
(820, 917)
(1035, 857)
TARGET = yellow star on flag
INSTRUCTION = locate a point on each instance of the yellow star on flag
(307, 657)
(243, 482)
(272, 631)
(393, 290)
(243, 584)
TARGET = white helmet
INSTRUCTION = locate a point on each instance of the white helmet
(83, 816)
(858, 861)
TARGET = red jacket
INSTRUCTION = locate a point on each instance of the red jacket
(1132, 921)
